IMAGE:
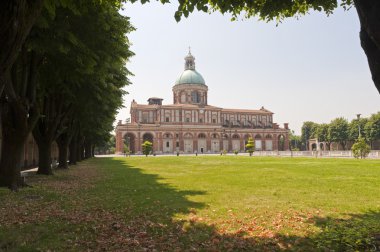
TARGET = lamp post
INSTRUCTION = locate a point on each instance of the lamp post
(358, 116)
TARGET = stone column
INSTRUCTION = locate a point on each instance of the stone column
(174, 143)
(242, 147)
(275, 142)
(139, 142)
(229, 143)
(263, 145)
(208, 143)
(119, 142)
(195, 143)
(286, 142)
(181, 142)
(155, 144)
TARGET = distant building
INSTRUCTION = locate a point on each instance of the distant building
(190, 125)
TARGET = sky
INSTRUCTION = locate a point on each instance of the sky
(310, 69)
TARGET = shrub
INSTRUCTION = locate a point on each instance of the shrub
(360, 148)
(147, 148)
(236, 152)
(250, 146)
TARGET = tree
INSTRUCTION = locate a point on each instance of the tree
(147, 148)
(353, 128)
(307, 132)
(372, 128)
(268, 10)
(338, 131)
(17, 17)
(322, 134)
(295, 142)
(78, 91)
(360, 148)
(250, 146)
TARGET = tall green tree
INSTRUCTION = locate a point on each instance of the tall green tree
(372, 128)
(80, 76)
(338, 131)
(322, 134)
(94, 89)
(307, 132)
(353, 131)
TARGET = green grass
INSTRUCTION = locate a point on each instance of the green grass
(217, 203)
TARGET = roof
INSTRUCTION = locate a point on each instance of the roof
(259, 111)
(190, 76)
(197, 106)
(155, 98)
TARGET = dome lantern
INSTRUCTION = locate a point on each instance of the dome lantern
(189, 61)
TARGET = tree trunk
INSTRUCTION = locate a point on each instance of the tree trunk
(17, 17)
(63, 147)
(93, 150)
(369, 17)
(80, 148)
(15, 130)
(73, 152)
(44, 158)
(10, 165)
(88, 152)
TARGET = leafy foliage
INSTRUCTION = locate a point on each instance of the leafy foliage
(250, 146)
(360, 149)
(372, 128)
(264, 9)
(147, 148)
(307, 132)
(353, 130)
(338, 131)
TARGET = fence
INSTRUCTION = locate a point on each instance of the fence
(337, 154)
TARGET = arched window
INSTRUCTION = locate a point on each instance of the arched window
(235, 136)
(201, 135)
(195, 97)
(188, 135)
(183, 97)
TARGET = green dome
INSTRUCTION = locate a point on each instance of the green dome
(190, 76)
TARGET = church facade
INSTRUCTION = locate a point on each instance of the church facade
(191, 125)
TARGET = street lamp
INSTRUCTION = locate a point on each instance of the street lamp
(358, 116)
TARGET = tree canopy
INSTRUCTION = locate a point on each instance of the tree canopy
(67, 83)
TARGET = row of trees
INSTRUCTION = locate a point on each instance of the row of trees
(65, 85)
(52, 61)
(339, 131)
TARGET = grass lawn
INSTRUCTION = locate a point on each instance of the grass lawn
(204, 203)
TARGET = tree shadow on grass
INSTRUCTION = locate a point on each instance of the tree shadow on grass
(150, 207)
(129, 210)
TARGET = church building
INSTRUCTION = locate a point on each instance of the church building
(191, 125)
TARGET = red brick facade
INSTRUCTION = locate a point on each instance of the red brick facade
(190, 125)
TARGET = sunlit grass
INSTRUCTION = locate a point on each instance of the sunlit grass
(217, 203)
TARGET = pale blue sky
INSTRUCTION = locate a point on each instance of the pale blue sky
(312, 69)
